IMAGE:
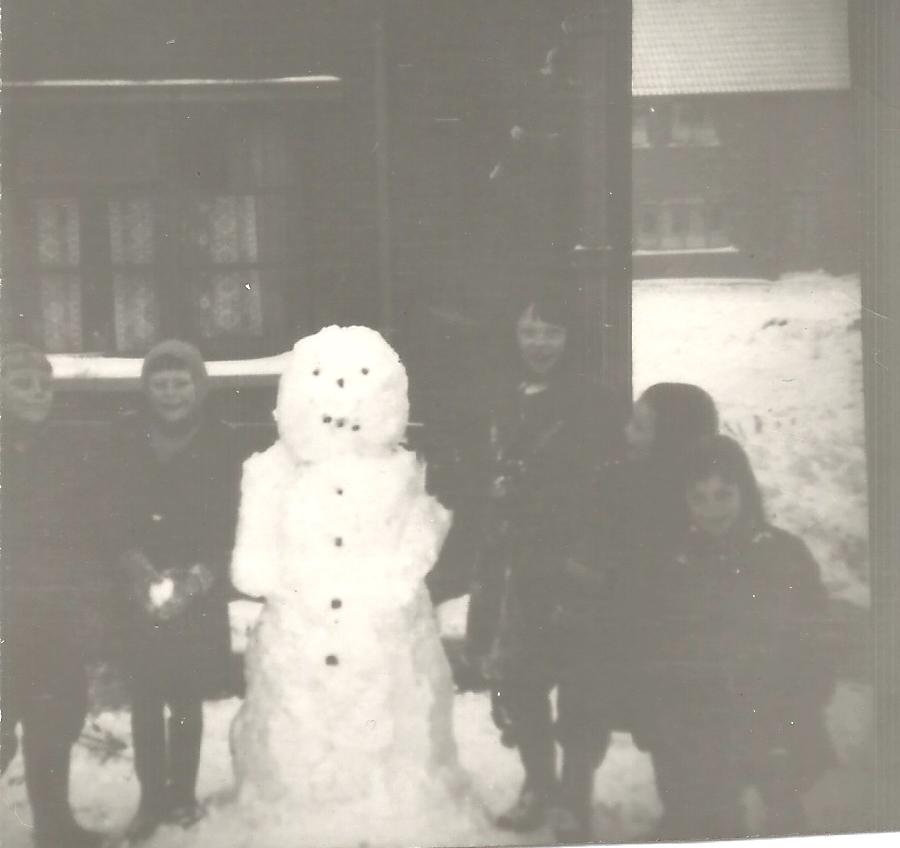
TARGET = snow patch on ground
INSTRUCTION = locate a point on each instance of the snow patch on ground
(783, 361)
(626, 806)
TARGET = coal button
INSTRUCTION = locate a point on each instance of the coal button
(331, 659)
(336, 603)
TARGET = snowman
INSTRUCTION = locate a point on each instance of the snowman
(345, 736)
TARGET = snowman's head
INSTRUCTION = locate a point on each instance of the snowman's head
(344, 391)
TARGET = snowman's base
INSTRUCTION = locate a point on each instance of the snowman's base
(240, 823)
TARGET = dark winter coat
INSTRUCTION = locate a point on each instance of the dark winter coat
(543, 453)
(49, 578)
(635, 517)
(176, 513)
(739, 646)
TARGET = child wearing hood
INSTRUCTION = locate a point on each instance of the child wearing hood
(637, 509)
(741, 665)
(174, 502)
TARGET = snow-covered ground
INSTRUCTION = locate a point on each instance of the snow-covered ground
(783, 362)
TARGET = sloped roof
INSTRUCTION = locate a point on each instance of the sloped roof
(712, 46)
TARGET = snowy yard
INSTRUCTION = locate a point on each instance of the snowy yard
(783, 362)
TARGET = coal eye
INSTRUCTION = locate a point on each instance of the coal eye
(316, 373)
(365, 370)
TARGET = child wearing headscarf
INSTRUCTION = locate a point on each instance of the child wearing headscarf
(46, 612)
(173, 505)
(741, 665)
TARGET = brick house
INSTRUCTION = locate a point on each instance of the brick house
(742, 137)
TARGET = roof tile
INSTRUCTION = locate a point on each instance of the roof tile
(713, 46)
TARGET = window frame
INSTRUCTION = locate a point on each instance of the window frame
(94, 197)
(667, 239)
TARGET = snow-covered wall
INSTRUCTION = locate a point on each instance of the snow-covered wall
(72, 367)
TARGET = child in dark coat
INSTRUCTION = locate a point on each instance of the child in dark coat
(46, 611)
(640, 511)
(174, 503)
(740, 662)
(635, 508)
(539, 486)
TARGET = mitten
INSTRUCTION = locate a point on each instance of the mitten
(186, 587)
(141, 576)
(199, 580)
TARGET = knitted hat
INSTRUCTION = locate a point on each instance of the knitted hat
(19, 356)
(174, 354)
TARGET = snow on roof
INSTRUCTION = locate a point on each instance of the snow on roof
(170, 83)
(185, 89)
(72, 367)
(713, 46)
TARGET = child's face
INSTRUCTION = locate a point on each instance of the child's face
(640, 431)
(172, 394)
(541, 344)
(715, 504)
(28, 394)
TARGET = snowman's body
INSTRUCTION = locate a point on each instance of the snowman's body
(345, 736)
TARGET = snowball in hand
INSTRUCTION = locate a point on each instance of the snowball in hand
(161, 592)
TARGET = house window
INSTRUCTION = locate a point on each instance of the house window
(673, 123)
(136, 309)
(57, 239)
(640, 126)
(802, 225)
(692, 125)
(148, 222)
(646, 227)
(223, 249)
(682, 224)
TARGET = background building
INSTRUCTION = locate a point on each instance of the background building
(743, 138)
(242, 173)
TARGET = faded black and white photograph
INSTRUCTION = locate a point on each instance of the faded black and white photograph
(437, 423)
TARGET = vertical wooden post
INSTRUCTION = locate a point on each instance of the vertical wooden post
(603, 255)
(382, 171)
(875, 58)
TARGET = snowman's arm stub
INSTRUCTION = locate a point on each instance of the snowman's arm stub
(424, 535)
(255, 561)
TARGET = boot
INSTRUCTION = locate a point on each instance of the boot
(73, 835)
(182, 808)
(528, 813)
(146, 821)
(186, 814)
(47, 762)
(185, 740)
(572, 822)
(570, 828)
